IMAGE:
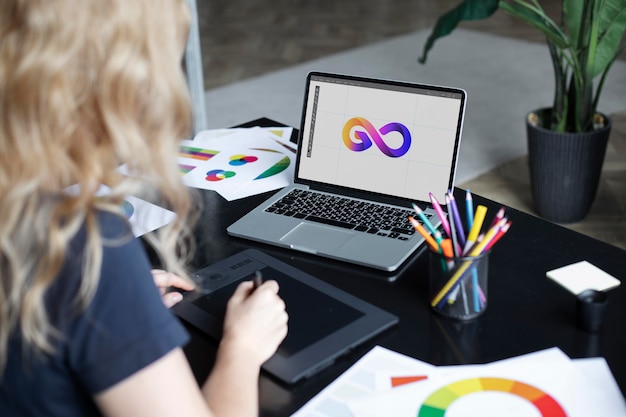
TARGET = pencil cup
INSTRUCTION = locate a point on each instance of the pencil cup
(458, 286)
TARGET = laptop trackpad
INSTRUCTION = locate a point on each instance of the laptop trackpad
(311, 237)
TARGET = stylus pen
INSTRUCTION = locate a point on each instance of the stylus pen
(258, 279)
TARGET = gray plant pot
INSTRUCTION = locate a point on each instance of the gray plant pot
(565, 169)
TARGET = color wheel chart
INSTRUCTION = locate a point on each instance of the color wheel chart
(219, 175)
(439, 401)
(241, 159)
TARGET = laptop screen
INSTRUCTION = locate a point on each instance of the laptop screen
(391, 138)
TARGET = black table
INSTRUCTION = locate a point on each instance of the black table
(526, 311)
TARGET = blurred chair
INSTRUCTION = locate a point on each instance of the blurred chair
(193, 67)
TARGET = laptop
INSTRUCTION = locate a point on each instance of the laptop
(369, 148)
(324, 321)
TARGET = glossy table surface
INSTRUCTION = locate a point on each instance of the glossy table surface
(526, 311)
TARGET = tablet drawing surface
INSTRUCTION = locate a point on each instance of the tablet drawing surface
(324, 322)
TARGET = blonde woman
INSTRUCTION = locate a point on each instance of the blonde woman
(85, 87)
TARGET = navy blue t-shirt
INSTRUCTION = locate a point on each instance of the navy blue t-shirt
(124, 328)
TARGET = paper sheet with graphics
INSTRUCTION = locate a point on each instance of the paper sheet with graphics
(545, 383)
(237, 163)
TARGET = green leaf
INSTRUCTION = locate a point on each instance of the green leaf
(536, 18)
(573, 13)
(612, 27)
(467, 10)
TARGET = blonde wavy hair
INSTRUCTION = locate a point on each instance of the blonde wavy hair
(85, 87)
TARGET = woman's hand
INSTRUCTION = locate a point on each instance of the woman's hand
(256, 320)
(164, 280)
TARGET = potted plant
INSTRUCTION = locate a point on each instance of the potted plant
(567, 140)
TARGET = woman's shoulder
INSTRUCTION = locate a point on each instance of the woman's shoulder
(120, 253)
(111, 227)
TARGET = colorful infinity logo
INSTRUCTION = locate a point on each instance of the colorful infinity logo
(370, 134)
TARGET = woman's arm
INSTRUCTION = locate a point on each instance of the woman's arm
(166, 387)
(255, 324)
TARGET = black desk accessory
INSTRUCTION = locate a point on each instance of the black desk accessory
(324, 322)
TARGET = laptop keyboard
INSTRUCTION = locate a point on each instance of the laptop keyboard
(344, 212)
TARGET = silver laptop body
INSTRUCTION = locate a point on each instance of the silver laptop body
(381, 141)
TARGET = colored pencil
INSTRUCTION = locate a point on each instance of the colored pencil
(479, 218)
(501, 231)
(424, 219)
(456, 217)
(440, 213)
(422, 231)
(446, 247)
(469, 209)
(453, 233)
(499, 215)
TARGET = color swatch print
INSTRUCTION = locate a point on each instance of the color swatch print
(191, 156)
(235, 160)
(242, 159)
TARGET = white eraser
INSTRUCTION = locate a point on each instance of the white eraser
(582, 276)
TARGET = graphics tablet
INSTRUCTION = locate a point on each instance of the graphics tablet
(324, 321)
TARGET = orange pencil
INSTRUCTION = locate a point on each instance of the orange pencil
(446, 246)
(422, 231)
